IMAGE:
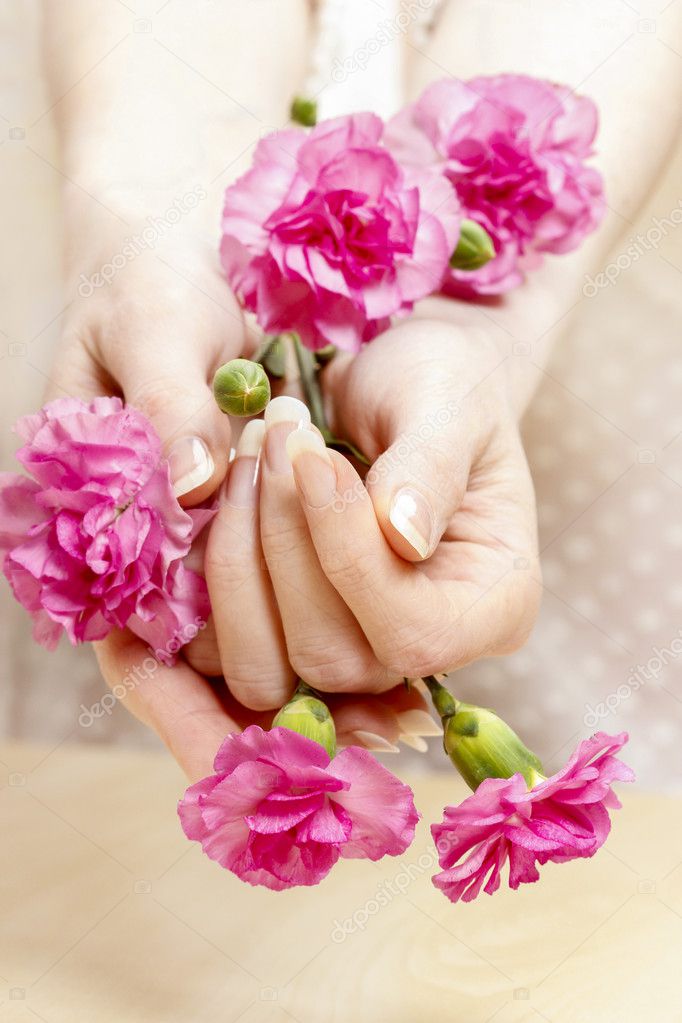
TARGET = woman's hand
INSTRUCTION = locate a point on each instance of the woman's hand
(155, 332)
(192, 714)
(429, 564)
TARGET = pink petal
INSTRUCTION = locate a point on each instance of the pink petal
(279, 746)
(380, 806)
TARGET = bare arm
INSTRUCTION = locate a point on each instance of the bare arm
(627, 64)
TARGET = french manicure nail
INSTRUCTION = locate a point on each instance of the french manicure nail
(283, 416)
(411, 515)
(302, 441)
(418, 722)
(251, 439)
(191, 464)
(240, 490)
(315, 477)
(415, 742)
(286, 410)
(374, 742)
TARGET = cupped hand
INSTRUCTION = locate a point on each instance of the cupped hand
(428, 564)
(192, 714)
(154, 332)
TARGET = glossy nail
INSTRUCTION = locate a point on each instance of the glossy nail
(374, 742)
(415, 742)
(242, 480)
(316, 475)
(418, 722)
(283, 416)
(411, 515)
(191, 464)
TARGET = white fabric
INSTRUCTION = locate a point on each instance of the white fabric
(357, 58)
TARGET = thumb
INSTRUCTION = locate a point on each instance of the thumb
(419, 482)
(169, 380)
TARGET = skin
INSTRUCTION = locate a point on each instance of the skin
(367, 608)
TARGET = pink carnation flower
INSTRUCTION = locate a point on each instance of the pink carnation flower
(562, 818)
(279, 813)
(328, 236)
(95, 540)
(515, 149)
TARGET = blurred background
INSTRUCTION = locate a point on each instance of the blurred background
(604, 438)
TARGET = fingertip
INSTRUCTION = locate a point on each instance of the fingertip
(191, 464)
(313, 468)
(262, 695)
(407, 522)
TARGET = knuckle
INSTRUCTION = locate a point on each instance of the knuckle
(280, 536)
(350, 568)
(415, 655)
(522, 615)
(203, 659)
(268, 692)
(332, 669)
(155, 396)
(233, 562)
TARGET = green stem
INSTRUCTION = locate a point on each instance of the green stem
(308, 369)
(443, 700)
(303, 689)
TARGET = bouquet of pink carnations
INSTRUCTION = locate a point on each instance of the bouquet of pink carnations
(332, 233)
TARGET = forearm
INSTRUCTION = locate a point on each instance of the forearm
(159, 107)
(600, 50)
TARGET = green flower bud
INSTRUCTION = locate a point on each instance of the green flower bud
(481, 745)
(306, 714)
(474, 249)
(241, 388)
(303, 111)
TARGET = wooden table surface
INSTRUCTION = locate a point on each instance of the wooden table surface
(109, 915)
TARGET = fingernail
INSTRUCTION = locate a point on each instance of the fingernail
(243, 477)
(191, 464)
(283, 416)
(301, 441)
(411, 515)
(415, 742)
(286, 410)
(374, 742)
(251, 439)
(418, 722)
(315, 476)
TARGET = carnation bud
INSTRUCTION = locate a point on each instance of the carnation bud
(241, 388)
(474, 249)
(303, 111)
(306, 714)
(481, 745)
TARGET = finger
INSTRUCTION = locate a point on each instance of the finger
(430, 420)
(164, 367)
(379, 723)
(202, 652)
(75, 373)
(248, 628)
(416, 625)
(418, 483)
(325, 644)
(182, 707)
